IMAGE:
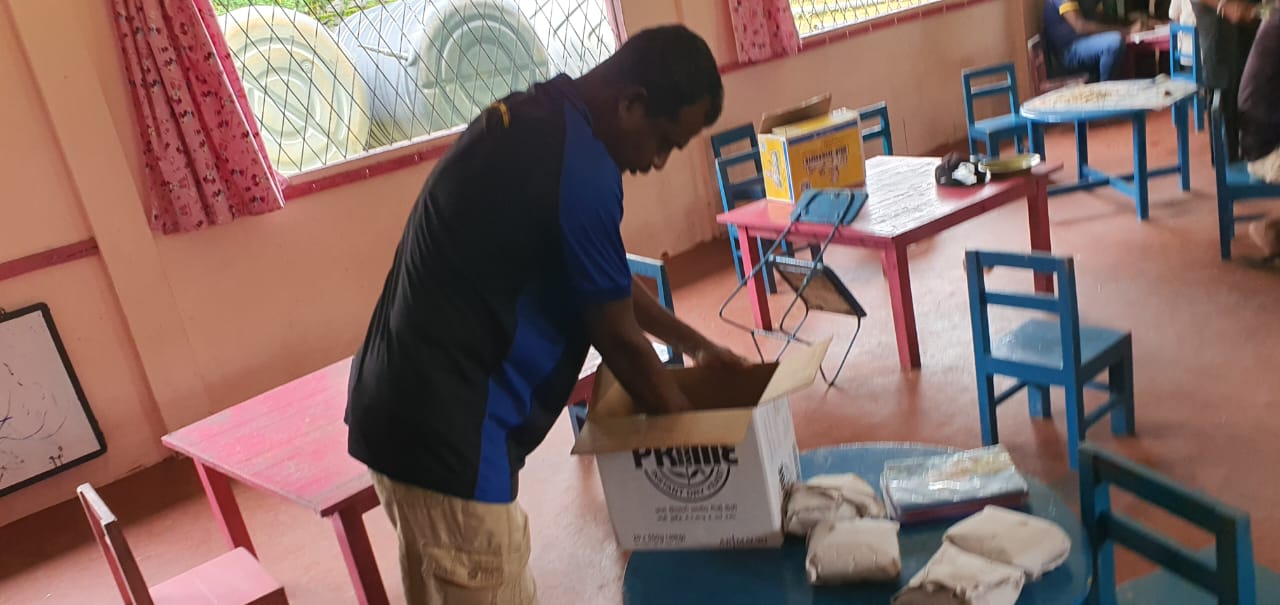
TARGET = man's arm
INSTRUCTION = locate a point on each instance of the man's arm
(1235, 11)
(1070, 11)
(614, 331)
(665, 326)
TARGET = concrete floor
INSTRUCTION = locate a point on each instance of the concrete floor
(1204, 336)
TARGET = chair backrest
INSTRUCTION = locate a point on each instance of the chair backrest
(880, 130)
(656, 270)
(107, 532)
(996, 80)
(1063, 303)
(743, 135)
(1230, 576)
(1184, 62)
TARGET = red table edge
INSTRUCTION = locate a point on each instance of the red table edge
(322, 510)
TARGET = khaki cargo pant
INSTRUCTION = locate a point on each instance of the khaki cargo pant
(458, 552)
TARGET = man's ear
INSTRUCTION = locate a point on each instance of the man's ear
(632, 101)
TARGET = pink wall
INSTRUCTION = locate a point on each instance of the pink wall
(165, 330)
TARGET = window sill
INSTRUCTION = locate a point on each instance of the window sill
(370, 164)
(882, 22)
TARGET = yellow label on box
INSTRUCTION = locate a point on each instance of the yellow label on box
(828, 154)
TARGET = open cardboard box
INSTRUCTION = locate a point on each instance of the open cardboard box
(810, 146)
(713, 478)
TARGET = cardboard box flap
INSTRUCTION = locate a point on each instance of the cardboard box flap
(627, 433)
(810, 108)
(797, 370)
(834, 120)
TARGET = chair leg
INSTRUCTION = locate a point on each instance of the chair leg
(973, 146)
(1038, 399)
(1020, 143)
(1075, 423)
(1037, 141)
(987, 409)
(1120, 381)
(766, 272)
(993, 147)
(1200, 111)
(1226, 224)
(737, 254)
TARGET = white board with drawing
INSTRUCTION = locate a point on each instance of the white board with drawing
(46, 425)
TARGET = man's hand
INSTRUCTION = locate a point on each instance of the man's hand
(613, 330)
(715, 356)
(1238, 12)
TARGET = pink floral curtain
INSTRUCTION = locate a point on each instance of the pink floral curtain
(764, 29)
(205, 158)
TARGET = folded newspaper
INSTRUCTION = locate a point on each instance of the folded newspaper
(951, 486)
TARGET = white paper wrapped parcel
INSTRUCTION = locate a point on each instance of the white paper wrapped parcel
(956, 577)
(1035, 545)
(853, 550)
(829, 498)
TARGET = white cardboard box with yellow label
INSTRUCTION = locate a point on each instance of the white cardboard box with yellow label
(709, 479)
(810, 147)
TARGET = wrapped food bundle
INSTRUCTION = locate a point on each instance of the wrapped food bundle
(829, 498)
(1034, 545)
(853, 550)
(956, 577)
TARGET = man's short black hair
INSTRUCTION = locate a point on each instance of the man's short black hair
(674, 66)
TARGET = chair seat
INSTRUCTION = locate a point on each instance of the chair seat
(1162, 587)
(999, 125)
(1039, 342)
(235, 578)
(1238, 176)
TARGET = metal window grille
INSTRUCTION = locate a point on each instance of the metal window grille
(817, 16)
(331, 79)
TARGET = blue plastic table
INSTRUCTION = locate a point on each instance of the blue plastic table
(777, 576)
(1123, 99)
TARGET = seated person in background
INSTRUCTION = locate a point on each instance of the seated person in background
(1226, 29)
(1080, 42)
(1260, 122)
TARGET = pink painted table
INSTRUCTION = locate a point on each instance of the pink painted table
(291, 442)
(904, 206)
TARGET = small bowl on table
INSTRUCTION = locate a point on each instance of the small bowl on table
(1017, 165)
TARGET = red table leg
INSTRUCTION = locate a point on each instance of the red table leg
(1038, 219)
(894, 261)
(217, 487)
(750, 249)
(358, 554)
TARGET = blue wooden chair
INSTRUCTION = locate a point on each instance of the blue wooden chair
(656, 270)
(742, 189)
(879, 114)
(1234, 183)
(991, 132)
(1043, 353)
(1226, 577)
(1182, 67)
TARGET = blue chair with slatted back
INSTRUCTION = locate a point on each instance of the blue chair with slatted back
(1184, 64)
(734, 191)
(1234, 183)
(656, 270)
(994, 81)
(1042, 353)
(879, 113)
(1227, 577)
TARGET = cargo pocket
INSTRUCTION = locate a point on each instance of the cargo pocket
(466, 578)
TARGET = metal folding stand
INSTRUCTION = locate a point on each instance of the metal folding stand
(816, 286)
